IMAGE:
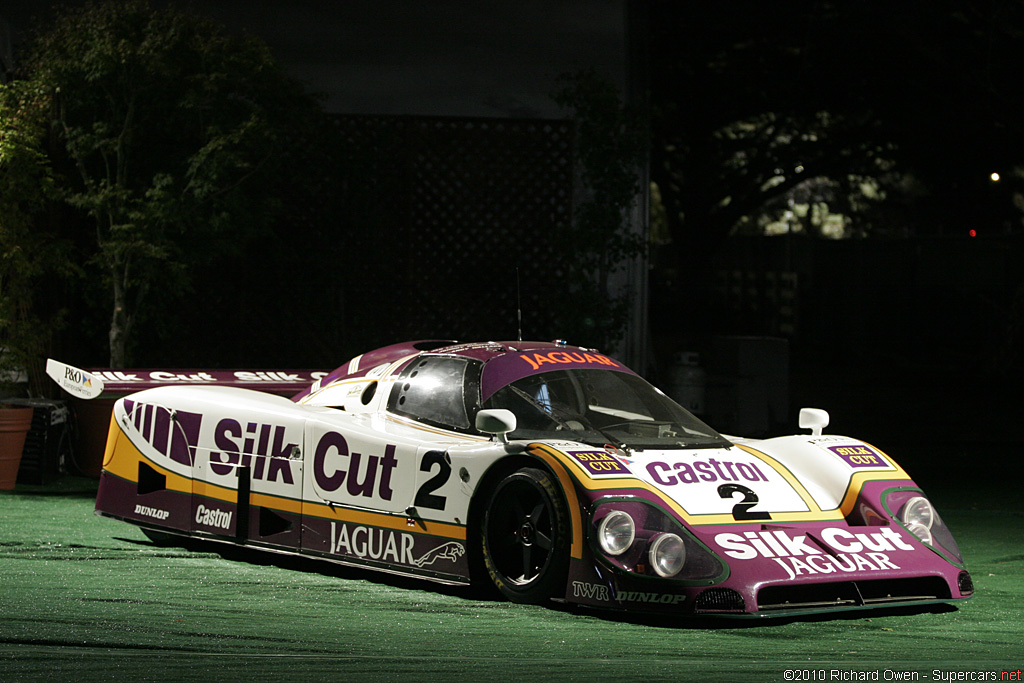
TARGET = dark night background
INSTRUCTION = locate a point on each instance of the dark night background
(893, 116)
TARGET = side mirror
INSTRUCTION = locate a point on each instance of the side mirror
(814, 419)
(496, 422)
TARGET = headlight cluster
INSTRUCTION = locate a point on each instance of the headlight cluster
(639, 537)
(616, 532)
(667, 555)
(917, 514)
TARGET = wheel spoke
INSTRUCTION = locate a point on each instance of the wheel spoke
(537, 512)
(528, 572)
(523, 545)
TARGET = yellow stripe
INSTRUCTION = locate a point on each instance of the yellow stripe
(813, 512)
(123, 458)
(853, 487)
(858, 480)
(408, 422)
(376, 519)
(812, 505)
(556, 460)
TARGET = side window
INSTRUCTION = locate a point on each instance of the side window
(438, 390)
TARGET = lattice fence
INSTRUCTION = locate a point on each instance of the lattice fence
(440, 214)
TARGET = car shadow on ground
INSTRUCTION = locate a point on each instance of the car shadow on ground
(323, 567)
(715, 622)
(487, 594)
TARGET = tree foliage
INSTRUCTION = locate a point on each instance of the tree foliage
(610, 144)
(762, 107)
(28, 253)
(170, 128)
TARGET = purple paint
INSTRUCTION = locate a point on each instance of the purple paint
(598, 462)
(859, 455)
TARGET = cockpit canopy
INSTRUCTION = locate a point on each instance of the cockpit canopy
(597, 402)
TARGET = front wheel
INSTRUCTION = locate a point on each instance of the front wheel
(525, 537)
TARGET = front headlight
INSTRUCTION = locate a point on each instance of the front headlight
(918, 516)
(636, 536)
(667, 555)
(909, 507)
(616, 532)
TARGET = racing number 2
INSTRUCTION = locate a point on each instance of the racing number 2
(741, 510)
(425, 497)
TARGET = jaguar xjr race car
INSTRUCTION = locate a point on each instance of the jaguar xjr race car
(544, 470)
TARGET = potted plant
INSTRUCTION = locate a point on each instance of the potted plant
(15, 421)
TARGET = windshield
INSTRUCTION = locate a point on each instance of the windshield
(601, 407)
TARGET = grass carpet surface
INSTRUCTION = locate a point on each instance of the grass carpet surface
(85, 598)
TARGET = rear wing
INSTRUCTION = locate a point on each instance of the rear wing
(94, 383)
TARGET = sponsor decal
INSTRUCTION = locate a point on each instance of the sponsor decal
(73, 380)
(591, 591)
(273, 376)
(598, 462)
(848, 551)
(151, 512)
(710, 470)
(205, 377)
(358, 478)
(171, 434)
(116, 376)
(220, 519)
(859, 455)
(371, 543)
(154, 376)
(236, 450)
(267, 450)
(723, 482)
(450, 551)
(596, 591)
(262, 447)
(388, 545)
(564, 357)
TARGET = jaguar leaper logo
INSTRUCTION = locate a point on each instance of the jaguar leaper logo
(385, 544)
(450, 551)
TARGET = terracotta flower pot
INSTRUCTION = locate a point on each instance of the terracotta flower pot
(14, 426)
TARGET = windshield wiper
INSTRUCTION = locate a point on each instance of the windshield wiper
(704, 444)
(566, 416)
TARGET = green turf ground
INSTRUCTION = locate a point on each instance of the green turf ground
(85, 598)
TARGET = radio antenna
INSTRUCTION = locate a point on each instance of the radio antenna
(519, 307)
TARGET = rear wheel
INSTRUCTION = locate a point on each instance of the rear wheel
(525, 537)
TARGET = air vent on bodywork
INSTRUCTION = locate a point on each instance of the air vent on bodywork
(719, 600)
(850, 593)
(431, 344)
(150, 481)
(272, 523)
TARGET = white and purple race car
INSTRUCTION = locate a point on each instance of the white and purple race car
(547, 471)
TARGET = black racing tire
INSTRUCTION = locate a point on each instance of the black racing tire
(525, 536)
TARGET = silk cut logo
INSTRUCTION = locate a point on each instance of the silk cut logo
(859, 455)
(172, 434)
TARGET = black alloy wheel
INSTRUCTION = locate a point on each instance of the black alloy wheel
(525, 537)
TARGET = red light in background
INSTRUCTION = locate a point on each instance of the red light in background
(973, 232)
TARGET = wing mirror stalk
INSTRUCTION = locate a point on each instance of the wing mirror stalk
(814, 419)
(497, 422)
